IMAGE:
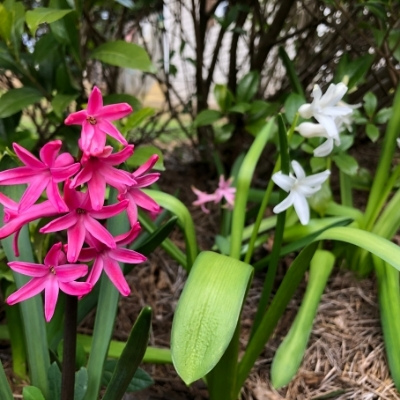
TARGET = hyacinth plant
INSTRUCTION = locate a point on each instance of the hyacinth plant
(219, 280)
(89, 234)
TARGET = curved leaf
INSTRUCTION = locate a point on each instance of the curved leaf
(16, 100)
(207, 313)
(124, 55)
(41, 15)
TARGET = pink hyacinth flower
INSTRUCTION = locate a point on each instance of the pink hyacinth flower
(225, 191)
(43, 174)
(202, 199)
(15, 219)
(135, 196)
(52, 276)
(96, 122)
(108, 259)
(81, 219)
(98, 170)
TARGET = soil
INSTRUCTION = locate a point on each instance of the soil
(345, 358)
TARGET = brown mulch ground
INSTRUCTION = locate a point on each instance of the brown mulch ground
(345, 358)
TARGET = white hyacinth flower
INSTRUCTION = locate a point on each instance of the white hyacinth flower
(299, 187)
(325, 108)
(310, 130)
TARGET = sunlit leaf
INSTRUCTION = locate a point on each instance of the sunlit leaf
(42, 15)
(207, 313)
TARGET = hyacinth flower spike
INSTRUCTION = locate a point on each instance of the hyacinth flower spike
(40, 175)
(52, 276)
(96, 122)
(81, 219)
(108, 259)
(299, 187)
(325, 108)
(99, 170)
(135, 196)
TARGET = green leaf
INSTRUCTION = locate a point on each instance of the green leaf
(383, 115)
(142, 154)
(61, 102)
(375, 244)
(223, 97)
(207, 313)
(54, 376)
(140, 381)
(134, 120)
(288, 357)
(81, 382)
(206, 117)
(247, 87)
(291, 71)
(131, 356)
(174, 205)
(240, 108)
(5, 390)
(346, 163)
(372, 132)
(123, 54)
(32, 393)
(156, 238)
(5, 23)
(114, 98)
(42, 15)
(370, 103)
(292, 105)
(389, 306)
(15, 100)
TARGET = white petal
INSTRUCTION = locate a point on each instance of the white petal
(285, 182)
(301, 207)
(316, 179)
(316, 93)
(336, 111)
(309, 129)
(306, 111)
(285, 204)
(325, 148)
(328, 123)
(398, 142)
(298, 170)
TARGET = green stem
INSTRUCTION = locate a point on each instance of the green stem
(346, 195)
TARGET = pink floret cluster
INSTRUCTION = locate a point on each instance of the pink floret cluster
(75, 199)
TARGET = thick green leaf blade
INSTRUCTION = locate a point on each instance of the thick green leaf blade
(375, 244)
(243, 181)
(131, 356)
(389, 305)
(16, 100)
(207, 313)
(31, 393)
(123, 54)
(5, 390)
(288, 357)
(41, 15)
